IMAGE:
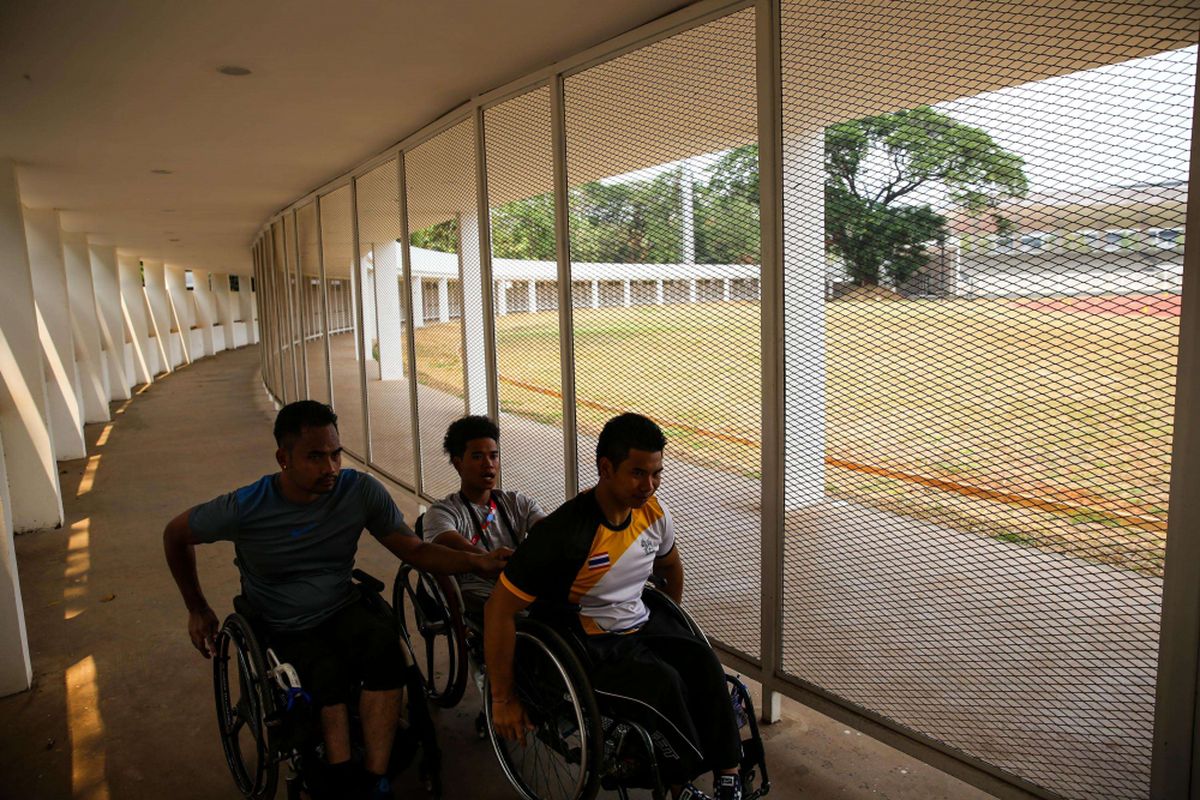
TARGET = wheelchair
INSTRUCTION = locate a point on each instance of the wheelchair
(265, 718)
(578, 746)
(440, 622)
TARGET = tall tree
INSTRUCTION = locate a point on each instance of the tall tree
(880, 169)
(726, 210)
(442, 237)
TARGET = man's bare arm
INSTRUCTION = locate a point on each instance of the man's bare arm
(499, 642)
(443, 560)
(180, 550)
(669, 568)
(456, 541)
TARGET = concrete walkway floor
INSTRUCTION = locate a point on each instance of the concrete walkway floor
(122, 706)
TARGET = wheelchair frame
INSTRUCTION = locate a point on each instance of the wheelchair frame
(268, 691)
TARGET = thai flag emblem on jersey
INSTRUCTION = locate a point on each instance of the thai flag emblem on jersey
(598, 561)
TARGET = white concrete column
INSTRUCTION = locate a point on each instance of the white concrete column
(208, 325)
(158, 315)
(16, 671)
(659, 298)
(726, 294)
(595, 294)
(53, 309)
(418, 303)
(692, 293)
(32, 490)
(387, 304)
(179, 315)
(502, 298)
(107, 283)
(625, 285)
(217, 310)
(687, 215)
(141, 360)
(247, 306)
(370, 336)
(351, 313)
(804, 332)
(470, 259)
(444, 299)
(532, 297)
(85, 328)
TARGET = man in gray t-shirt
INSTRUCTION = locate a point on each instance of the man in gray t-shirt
(478, 518)
(295, 534)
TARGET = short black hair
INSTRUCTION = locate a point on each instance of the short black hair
(464, 430)
(628, 432)
(294, 417)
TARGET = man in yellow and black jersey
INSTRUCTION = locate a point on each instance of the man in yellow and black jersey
(596, 552)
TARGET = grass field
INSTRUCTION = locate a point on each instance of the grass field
(1065, 417)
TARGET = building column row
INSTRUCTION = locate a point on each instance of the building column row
(83, 324)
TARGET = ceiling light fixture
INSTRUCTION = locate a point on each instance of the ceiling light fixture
(172, 240)
(233, 70)
(162, 171)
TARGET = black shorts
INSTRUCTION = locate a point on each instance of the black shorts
(356, 645)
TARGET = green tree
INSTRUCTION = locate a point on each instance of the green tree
(524, 229)
(442, 237)
(726, 210)
(632, 222)
(874, 169)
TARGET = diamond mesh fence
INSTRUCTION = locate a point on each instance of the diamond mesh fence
(269, 353)
(525, 295)
(656, 143)
(443, 223)
(983, 227)
(388, 372)
(283, 273)
(295, 337)
(279, 312)
(312, 313)
(983, 234)
(342, 284)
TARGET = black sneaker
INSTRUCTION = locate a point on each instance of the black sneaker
(727, 787)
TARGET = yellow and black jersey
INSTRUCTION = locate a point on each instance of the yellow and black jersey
(573, 556)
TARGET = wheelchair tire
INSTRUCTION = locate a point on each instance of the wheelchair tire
(439, 623)
(561, 756)
(252, 763)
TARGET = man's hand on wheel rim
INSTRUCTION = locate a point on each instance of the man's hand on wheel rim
(202, 628)
(510, 720)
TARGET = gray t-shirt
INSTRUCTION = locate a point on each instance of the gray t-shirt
(515, 515)
(295, 560)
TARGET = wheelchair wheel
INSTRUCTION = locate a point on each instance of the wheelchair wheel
(245, 700)
(438, 616)
(561, 756)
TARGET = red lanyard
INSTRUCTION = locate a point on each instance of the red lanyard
(488, 520)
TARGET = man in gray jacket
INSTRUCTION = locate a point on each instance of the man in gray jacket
(478, 518)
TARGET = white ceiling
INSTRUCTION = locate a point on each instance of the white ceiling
(95, 94)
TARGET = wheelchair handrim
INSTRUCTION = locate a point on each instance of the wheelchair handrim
(500, 745)
(250, 676)
(448, 692)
